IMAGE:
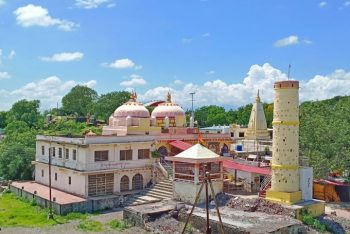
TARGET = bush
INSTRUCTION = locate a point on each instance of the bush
(90, 225)
(120, 224)
(309, 220)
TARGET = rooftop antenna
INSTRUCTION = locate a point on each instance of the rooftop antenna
(192, 100)
(289, 67)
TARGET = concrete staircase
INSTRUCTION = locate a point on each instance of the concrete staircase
(160, 191)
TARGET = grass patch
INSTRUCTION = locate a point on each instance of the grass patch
(90, 226)
(18, 212)
(120, 225)
(309, 220)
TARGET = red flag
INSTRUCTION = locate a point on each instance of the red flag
(200, 138)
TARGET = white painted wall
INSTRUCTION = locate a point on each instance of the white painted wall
(78, 181)
(187, 191)
(306, 183)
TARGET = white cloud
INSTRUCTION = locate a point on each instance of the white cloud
(122, 64)
(64, 57)
(218, 92)
(2, 2)
(12, 54)
(178, 82)
(211, 72)
(4, 75)
(347, 3)
(90, 4)
(307, 42)
(326, 86)
(187, 40)
(111, 5)
(31, 15)
(232, 95)
(49, 91)
(322, 4)
(287, 41)
(135, 80)
(206, 34)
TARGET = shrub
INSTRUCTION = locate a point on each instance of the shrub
(120, 224)
(90, 225)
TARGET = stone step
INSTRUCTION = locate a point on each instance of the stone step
(164, 191)
(166, 182)
(159, 192)
(165, 186)
(159, 196)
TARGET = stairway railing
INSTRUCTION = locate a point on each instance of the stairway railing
(265, 183)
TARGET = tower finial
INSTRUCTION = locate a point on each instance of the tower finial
(258, 97)
(133, 96)
(168, 97)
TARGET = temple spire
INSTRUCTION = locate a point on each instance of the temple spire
(169, 97)
(257, 99)
(133, 96)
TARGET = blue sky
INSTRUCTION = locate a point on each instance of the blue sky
(223, 50)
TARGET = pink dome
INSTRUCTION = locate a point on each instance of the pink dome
(133, 109)
(168, 109)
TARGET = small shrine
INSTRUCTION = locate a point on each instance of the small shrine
(189, 169)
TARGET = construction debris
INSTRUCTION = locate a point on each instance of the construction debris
(259, 205)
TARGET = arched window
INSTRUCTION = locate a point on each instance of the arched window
(137, 182)
(124, 184)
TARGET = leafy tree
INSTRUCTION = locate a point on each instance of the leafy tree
(3, 115)
(17, 151)
(15, 161)
(107, 103)
(24, 110)
(79, 100)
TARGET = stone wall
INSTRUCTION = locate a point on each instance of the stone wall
(62, 209)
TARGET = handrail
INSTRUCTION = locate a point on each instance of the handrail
(265, 183)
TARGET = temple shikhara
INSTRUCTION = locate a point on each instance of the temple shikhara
(160, 155)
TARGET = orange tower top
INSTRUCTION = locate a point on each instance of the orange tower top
(286, 84)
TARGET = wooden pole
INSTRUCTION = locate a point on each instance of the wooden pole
(207, 202)
(194, 205)
(216, 203)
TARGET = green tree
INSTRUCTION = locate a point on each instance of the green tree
(79, 100)
(24, 110)
(3, 115)
(107, 103)
(17, 151)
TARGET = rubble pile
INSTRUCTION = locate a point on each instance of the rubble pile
(259, 205)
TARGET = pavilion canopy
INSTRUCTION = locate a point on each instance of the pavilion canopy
(197, 154)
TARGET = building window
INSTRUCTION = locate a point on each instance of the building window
(101, 155)
(232, 134)
(67, 153)
(74, 154)
(241, 134)
(56, 176)
(124, 184)
(60, 152)
(125, 155)
(69, 180)
(143, 154)
(137, 182)
(52, 151)
(42, 150)
(101, 184)
(42, 172)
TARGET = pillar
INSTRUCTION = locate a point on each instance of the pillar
(285, 148)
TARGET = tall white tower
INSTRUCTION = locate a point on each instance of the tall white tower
(285, 157)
